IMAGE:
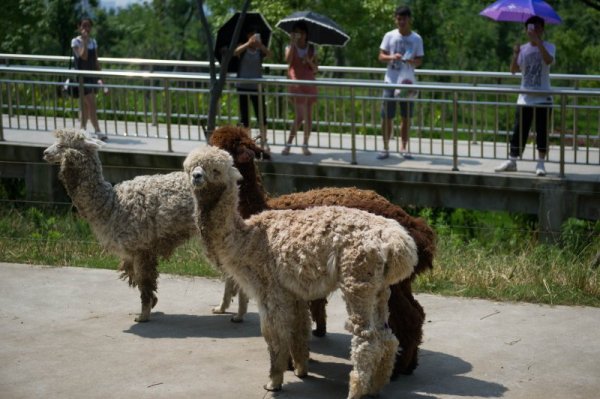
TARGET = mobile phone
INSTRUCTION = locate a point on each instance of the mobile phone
(530, 27)
(257, 36)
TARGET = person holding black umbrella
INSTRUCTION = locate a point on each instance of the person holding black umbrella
(251, 55)
(301, 57)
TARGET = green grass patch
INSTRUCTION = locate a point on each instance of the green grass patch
(480, 254)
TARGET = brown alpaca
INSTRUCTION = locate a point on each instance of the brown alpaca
(406, 314)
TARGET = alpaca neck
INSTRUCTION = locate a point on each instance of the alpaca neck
(222, 229)
(253, 197)
(85, 184)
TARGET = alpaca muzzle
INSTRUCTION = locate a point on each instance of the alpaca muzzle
(197, 176)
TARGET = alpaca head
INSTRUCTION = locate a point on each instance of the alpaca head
(210, 167)
(68, 142)
(237, 142)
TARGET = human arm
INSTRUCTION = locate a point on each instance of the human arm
(535, 38)
(514, 64)
(385, 56)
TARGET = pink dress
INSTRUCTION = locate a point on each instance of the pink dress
(298, 70)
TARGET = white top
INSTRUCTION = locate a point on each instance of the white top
(411, 46)
(76, 43)
(535, 73)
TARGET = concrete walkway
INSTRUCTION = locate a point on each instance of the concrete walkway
(69, 333)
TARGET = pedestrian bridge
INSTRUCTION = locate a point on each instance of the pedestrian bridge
(459, 134)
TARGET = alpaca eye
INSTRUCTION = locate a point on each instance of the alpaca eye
(216, 172)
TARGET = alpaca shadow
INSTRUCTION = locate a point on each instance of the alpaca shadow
(163, 325)
(437, 374)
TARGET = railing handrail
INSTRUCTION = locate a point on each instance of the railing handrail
(283, 67)
(322, 82)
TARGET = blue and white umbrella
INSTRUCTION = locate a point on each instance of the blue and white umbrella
(321, 29)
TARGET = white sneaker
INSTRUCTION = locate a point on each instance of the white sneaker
(540, 170)
(385, 154)
(507, 166)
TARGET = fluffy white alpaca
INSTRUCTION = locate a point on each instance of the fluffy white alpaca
(285, 258)
(139, 220)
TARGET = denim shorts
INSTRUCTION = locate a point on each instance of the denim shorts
(388, 107)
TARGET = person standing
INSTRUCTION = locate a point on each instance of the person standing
(402, 50)
(301, 57)
(85, 50)
(251, 55)
(533, 60)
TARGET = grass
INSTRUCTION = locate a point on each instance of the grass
(480, 254)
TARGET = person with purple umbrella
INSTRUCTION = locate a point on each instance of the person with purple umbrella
(533, 60)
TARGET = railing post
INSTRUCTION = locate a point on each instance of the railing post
(153, 101)
(455, 132)
(353, 126)
(168, 113)
(81, 95)
(563, 126)
(1, 116)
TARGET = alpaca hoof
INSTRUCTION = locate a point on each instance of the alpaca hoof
(237, 319)
(218, 310)
(142, 318)
(319, 332)
(272, 388)
(301, 373)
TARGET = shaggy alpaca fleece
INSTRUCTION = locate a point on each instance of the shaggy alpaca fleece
(138, 220)
(406, 314)
(285, 258)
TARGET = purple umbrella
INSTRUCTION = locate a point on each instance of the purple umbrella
(520, 11)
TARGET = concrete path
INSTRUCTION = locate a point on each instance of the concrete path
(69, 333)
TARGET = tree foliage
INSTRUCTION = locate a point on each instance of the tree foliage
(455, 36)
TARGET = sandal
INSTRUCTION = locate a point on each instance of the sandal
(286, 150)
(305, 150)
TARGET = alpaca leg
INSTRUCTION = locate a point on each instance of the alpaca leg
(361, 303)
(406, 321)
(127, 272)
(299, 340)
(275, 321)
(386, 343)
(242, 306)
(228, 293)
(319, 316)
(146, 274)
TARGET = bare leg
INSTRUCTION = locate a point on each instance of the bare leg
(92, 112)
(404, 126)
(307, 127)
(294, 129)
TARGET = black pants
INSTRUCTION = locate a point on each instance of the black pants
(252, 95)
(524, 117)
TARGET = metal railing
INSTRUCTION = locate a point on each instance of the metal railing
(455, 119)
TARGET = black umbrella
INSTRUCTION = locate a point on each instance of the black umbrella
(253, 21)
(321, 29)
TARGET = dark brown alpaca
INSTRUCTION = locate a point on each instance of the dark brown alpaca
(406, 314)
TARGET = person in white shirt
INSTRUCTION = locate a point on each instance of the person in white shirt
(533, 60)
(402, 50)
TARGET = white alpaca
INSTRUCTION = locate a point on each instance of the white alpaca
(285, 258)
(139, 220)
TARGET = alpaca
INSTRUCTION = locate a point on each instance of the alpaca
(406, 314)
(284, 258)
(138, 220)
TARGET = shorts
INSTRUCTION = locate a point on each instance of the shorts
(388, 107)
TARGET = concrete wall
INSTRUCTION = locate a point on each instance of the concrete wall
(553, 200)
